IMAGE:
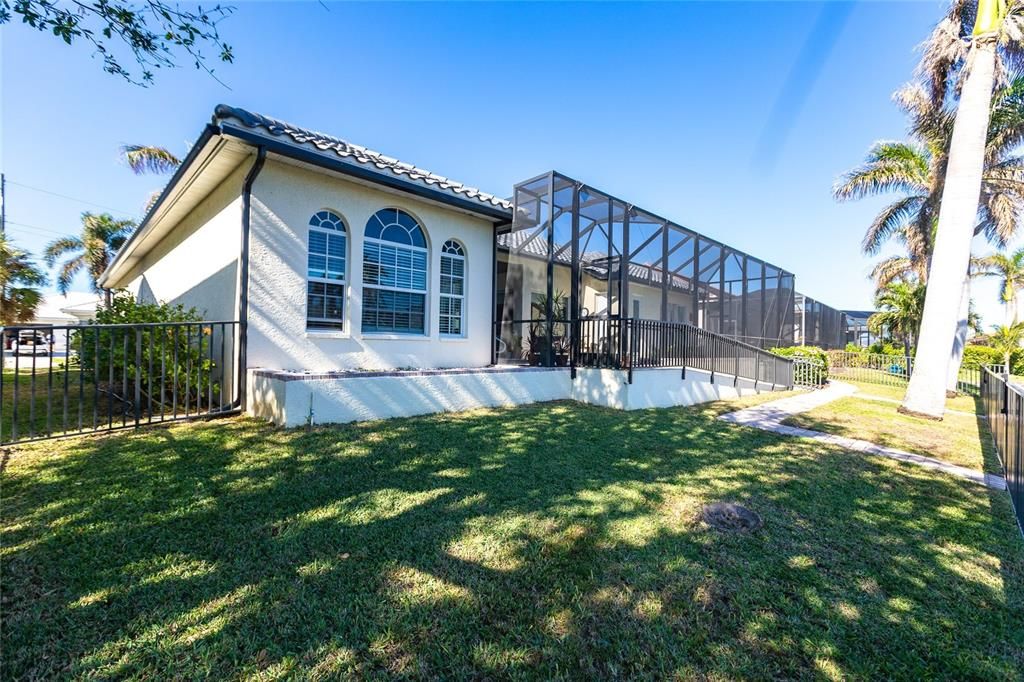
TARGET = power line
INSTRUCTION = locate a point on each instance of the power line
(36, 227)
(69, 198)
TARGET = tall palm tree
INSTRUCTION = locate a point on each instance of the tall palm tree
(899, 311)
(1006, 339)
(19, 282)
(915, 170)
(997, 23)
(92, 250)
(1009, 268)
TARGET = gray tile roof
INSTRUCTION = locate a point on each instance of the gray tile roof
(356, 153)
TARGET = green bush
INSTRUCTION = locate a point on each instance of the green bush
(976, 356)
(171, 358)
(819, 374)
(886, 348)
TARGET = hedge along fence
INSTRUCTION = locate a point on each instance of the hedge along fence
(895, 370)
(815, 371)
(179, 359)
(174, 362)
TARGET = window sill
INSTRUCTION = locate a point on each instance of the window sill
(453, 339)
(326, 334)
(396, 337)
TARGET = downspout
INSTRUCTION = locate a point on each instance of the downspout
(243, 275)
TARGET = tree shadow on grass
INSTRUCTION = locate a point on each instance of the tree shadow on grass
(544, 541)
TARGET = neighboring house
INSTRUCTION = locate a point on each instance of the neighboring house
(342, 261)
(857, 331)
(73, 308)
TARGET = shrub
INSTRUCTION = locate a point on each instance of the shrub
(819, 374)
(886, 348)
(976, 356)
(179, 358)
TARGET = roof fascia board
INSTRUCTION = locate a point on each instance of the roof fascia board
(146, 226)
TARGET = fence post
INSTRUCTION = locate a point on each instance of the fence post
(138, 373)
(736, 370)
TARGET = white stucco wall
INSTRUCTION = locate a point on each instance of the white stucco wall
(296, 400)
(196, 264)
(284, 199)
(338, 400)
(658, 387)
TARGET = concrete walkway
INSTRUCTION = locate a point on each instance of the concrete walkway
(769, 417)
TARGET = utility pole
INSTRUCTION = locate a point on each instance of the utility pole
(3, 205)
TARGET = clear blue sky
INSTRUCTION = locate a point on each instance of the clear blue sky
(731, 118)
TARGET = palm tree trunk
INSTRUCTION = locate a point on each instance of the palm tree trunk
(926, 394)
(960, 339)
(106, 298)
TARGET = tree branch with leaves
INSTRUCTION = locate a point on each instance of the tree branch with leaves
(153, 34)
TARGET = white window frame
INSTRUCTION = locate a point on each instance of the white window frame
(425, 291)
(326, 324)
(459, 256)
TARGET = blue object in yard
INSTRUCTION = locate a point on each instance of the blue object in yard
(896, 368)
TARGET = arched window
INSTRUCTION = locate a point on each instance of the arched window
(394, 274)
(325, 272)
(452, 309)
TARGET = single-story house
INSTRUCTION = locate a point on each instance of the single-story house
(74, 307)
(368, 287)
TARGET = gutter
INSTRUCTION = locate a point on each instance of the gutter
(243, 274)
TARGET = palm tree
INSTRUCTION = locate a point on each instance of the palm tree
(899, 305)
(913, 170)
(997, 23)
(1010, 269)
(92, 249)
(19, 282)
(1006, 339)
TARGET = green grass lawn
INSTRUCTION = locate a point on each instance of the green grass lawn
(961, 403)
(42, 408)
(959, 438)
(548, 541)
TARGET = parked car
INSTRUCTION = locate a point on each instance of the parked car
(32, 342)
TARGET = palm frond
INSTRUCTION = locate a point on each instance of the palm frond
(892, 220)
(890, 167)
(945, 50)
(67, 272)
(58, 247)
(890, 270)
(149, 159)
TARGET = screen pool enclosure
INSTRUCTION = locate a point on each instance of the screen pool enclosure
(574, 256)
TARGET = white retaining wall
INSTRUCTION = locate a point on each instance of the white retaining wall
(297, 399)
(659, 387)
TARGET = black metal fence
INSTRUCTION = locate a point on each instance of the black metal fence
(1003, 403)
(68, 380)
(890, 370)
(635, 344)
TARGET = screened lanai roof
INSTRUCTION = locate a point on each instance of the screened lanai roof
(602, 236)
(566, 223)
